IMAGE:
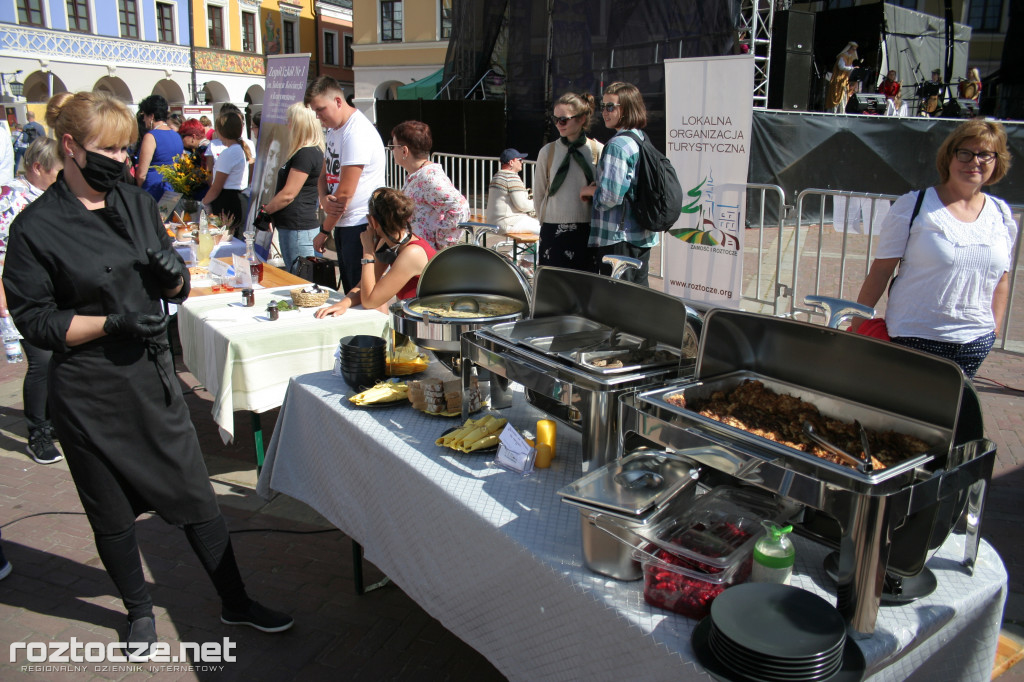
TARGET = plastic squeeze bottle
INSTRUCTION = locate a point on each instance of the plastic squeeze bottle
(774, 556)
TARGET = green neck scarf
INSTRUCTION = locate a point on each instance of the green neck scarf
(573, 152)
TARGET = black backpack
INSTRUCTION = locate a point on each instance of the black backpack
(28, 135)
(657, 197)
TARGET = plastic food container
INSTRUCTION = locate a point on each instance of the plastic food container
(689, 559)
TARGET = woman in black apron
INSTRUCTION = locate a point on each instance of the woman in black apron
(87, 266)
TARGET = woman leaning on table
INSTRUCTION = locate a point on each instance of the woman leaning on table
(393, 255)
(951, 293)
(293, 209)
(88, 265)
(564, 167)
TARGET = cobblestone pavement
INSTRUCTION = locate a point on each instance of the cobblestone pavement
(295, 561)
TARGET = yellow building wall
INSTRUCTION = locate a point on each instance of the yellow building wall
(419, 25)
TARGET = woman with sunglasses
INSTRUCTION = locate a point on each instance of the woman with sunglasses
(564, 167)
(954, 256)
(88, 267)
(393, 256)
(613, 227)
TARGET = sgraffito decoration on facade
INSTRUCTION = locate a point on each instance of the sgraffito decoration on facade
(271, 36)
(229, 62)
(91, 49)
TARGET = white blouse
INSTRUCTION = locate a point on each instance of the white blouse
(950, 268)
(232, 161)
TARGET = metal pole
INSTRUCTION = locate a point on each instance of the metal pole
(192, 49)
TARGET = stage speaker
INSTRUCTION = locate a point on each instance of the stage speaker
(789, 74)
(866, 103)
(960, 108)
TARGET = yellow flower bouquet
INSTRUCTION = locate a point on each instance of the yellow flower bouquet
(184, 176)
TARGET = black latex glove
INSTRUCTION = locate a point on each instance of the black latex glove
(167, 267)
(139, 325)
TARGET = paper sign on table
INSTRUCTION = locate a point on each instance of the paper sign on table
(514, 453)
(243, 276)
(219, 267)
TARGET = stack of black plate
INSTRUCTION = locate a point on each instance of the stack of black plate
(765, 632)
(363, 363)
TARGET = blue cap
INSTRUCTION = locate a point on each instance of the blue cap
(509, 154)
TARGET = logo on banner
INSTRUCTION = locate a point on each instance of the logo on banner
(714, 223)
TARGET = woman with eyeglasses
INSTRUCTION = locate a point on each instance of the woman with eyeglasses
(393, 255)
(953, 244)
(564, 168)
(88, 267)
(440, 206)
(613, 226)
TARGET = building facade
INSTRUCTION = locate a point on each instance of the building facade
(397, 42)
(335, 43)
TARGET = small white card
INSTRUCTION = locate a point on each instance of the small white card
(243, 277)
(219, 267)
(514, 453)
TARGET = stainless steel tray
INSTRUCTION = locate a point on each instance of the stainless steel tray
(938, 439)
(530, 331)
(622, 487)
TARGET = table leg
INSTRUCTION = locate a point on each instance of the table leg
(257, 437)
(357, 572)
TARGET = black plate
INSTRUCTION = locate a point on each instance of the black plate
(779, 621)
(482, 451)
(853, 668)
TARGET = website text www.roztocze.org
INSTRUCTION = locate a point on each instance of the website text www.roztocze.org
(703, 288)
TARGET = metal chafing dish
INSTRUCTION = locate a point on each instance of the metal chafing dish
(460, 277)
(579, 319)
(885, 523)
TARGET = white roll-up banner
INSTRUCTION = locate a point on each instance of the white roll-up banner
(708, 111)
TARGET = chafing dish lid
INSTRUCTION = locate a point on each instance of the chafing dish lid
(629, 307)
(470, 268)
(869, 371)
(633, 485)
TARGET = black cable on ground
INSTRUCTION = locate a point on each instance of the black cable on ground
(1000, 384)
(232, 532)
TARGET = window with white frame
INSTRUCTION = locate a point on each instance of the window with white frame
(128, 14)
(444, 19)
(165, 22)
(350, 56)
(215, 25)
(249, 32)
(390, 21)
(30, 13)
(288, 36)
(330, 53)
(78, 16)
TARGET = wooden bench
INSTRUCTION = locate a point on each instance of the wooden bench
(524, 242)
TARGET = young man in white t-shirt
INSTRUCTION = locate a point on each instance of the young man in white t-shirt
(354, 165)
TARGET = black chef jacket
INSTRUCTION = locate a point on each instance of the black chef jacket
(115, 402)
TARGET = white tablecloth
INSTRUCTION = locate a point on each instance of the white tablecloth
(245, 360)
(496, 557)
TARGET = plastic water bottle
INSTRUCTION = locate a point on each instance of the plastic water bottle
(12, 340)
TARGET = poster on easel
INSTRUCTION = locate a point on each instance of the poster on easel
(709, 113)
(286, 85)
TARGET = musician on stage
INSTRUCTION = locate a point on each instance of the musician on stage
(890, 86)
(931, 95)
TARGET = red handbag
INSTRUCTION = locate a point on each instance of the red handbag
(874, 328)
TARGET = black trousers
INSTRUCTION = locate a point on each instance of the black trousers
(637, 276)
(33, 389)
(119, 553)
(350, 252)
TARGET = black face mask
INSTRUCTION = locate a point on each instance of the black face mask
(387, 254)
(101, 172)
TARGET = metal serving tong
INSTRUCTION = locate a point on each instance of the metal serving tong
(862, 463)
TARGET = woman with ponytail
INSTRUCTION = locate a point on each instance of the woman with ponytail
(230, 171)
(564, 167)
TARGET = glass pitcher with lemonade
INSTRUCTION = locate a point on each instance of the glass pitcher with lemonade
(205, 242)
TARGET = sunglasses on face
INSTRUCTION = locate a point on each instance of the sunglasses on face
(966, 156)
(562, 120)
(608, 106)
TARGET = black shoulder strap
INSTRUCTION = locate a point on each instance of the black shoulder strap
(913, 217)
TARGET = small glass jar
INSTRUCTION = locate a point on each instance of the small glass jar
(249, 296)
(272, 311)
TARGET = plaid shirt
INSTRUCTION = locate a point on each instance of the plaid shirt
(612, 218)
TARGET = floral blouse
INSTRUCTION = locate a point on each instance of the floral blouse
(14, 196)
(439, 206)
